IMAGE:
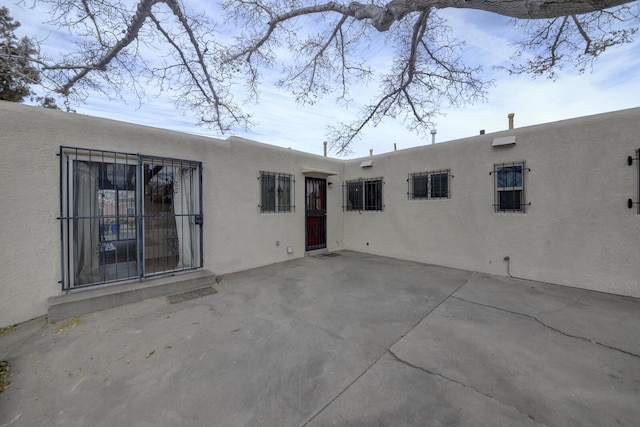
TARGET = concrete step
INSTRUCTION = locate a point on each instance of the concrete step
(89, 300)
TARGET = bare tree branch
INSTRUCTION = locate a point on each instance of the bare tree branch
(583, 33)
(144, 9)
(578, 41)
(423, 78)
(326, 50)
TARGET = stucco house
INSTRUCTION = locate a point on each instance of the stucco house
(95, 207)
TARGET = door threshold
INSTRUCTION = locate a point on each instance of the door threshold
(314, 252)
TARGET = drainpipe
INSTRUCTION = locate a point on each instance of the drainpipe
(510, 116)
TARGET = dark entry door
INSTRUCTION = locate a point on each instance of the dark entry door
(316, 213)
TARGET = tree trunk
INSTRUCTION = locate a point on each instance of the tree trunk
(383, 17)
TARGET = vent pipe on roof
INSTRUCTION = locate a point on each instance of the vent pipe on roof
(325, 148)
(433, 136)
(510, 116)
(370, 151)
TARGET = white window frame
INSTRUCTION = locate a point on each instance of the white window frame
(517, 187)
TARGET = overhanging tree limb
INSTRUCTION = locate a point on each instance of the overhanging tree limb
(143, 11)
(426, 72)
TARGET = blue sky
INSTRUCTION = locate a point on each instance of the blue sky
(613, 84)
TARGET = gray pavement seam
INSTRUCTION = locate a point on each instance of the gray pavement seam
(549, 326)
(429, 372)
(566, 305)
(333, 399)
(388, 349)
(436, 306)
(29, 337)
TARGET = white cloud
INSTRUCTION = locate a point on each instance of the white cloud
(613, 85)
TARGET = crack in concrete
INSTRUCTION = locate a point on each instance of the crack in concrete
(430, 372)
(568, 304)
(30, 336)
(344, 390)
(549, 326)
(333, 399)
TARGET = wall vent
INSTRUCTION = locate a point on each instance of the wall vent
(504, 141)
(366, 164)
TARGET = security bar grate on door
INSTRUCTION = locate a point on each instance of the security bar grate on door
(127, 216)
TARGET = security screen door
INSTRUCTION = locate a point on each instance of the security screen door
(171, 219)
(316, 213)
(127, 216)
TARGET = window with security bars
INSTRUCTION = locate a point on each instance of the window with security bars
(429, 185)
(276, 192)
(509, 187)
(126, 216)
(363, 195)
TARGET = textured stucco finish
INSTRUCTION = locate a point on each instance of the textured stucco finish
(237, 235)
(577, 231)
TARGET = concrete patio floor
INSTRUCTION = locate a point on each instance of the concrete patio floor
(353, 339)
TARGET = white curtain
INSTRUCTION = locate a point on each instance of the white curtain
(183, 207)
(86, 225)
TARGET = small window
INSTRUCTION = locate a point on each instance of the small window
(276, 192)
(420, 184)
(363, 194)
(439, 186)
(429, 185)
(373, 195)
(354, 196)
(509, 187)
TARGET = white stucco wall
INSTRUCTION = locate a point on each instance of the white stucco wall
(241, 236)
(578, 230)
(236, 235)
